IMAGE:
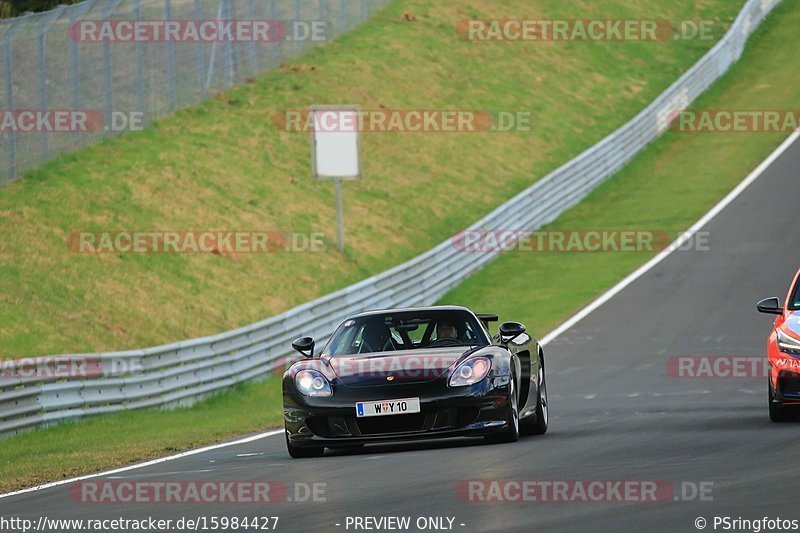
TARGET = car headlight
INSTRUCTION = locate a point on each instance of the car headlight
(470, 371)
(312, 383)
(788, 344)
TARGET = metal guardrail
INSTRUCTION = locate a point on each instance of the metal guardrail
(45, 66)
(185, 371)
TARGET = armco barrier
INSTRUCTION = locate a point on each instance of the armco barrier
(184, 371)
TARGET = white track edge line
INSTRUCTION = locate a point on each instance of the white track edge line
(639, 272)
(583, 313)
(145, 464)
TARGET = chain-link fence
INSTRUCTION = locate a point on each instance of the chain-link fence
(82, 72)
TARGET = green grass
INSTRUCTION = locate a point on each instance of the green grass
(90, 445)
(668, 188)
(224, 165)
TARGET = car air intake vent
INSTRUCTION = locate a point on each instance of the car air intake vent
(393, 424)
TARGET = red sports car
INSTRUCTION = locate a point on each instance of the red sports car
(783, 350)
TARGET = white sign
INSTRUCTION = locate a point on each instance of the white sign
(335, 144)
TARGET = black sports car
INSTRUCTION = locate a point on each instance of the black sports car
(403, 374)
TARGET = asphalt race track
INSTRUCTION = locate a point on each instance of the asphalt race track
(616, 413)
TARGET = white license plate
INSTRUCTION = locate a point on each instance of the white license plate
(403, 406)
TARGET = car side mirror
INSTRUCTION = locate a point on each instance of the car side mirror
(510, 331)
(304, 345)
(771, 306)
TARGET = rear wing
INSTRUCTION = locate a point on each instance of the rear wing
(486, 318)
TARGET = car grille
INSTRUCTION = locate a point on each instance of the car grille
(328, 427)
(379, 425)
(790, 386)
(455, 418)
(442, 419)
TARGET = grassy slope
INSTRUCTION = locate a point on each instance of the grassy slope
(668, 188)
(679, 177)
(90, 445)
(224, 165)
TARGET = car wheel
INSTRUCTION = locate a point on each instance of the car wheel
(777, 411)
(539, 426)
(298, 452)
(511, 434)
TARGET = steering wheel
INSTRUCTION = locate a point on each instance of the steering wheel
(446, 341)
(389, 346)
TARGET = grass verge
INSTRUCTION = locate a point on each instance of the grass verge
(94, 444)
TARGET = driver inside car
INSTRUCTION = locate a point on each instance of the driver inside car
(446, 330)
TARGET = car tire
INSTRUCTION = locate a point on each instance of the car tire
(777, 411)
(542, 419)
(298, 452)
(511, 433)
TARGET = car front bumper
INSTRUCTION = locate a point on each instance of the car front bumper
(475, 410)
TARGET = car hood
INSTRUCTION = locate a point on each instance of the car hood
(393, 368)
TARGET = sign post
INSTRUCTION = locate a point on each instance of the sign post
(339, 213)
(335, 153)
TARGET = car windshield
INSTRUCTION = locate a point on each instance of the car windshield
(406, 330)
(794, 302)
